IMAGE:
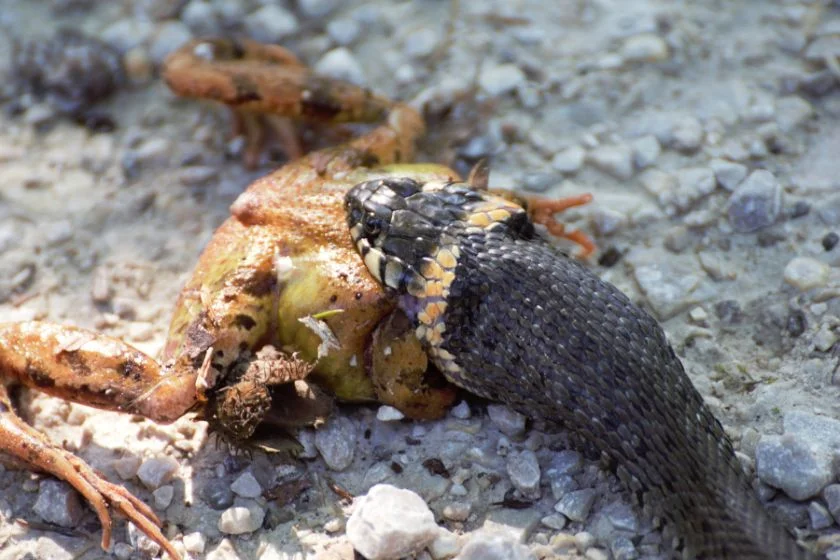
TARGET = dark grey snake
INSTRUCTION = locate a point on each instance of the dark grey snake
(507, 316)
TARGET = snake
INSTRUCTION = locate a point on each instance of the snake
(504, 314)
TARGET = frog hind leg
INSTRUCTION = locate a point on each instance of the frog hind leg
(255, 80)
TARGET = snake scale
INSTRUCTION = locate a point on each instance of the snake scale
(505, 315)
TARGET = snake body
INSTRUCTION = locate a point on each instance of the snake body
(506, 316)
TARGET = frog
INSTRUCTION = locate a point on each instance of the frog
(280, 308)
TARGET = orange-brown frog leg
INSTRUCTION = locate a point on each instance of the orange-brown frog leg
(266, 85)
(95, 370)
(542, 211)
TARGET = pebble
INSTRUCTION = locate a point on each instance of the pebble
(494, 547)
(755, 203)
(217, 494)
(457, 511)
(508, 421)
(646, 150)
(608, 221)
(687, 134)
(831, 495)
(317, 8)
(694, 183)
(825, 338)
(461, 410)
(670, 286)
(822, 48)
(246, 486)
(343, 32)
(793, 466)
(576, 505)
(616, 160)
(238, 520)
(387, 413)
(792, 112)
(163, 496)
(524, 471)
(728, 173)
(646, 47)
(157, 471)
(195, 542)
(58, 503)
(336, 441)
(569, 161)
(270, 24)
(390, 522)
(806, 273)
(500, 79)
(446, 545)
(225, 551)
(554, 521)
(339, 63)
(127, 466)
(127, 34)
(622, 548)
(201, 17)
(170, 36)
(819, 516)
(138, 65)
(420, 43)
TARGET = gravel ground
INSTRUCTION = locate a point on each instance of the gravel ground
(707, 131)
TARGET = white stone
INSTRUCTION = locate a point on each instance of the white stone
(387, 413)
(617, 160)
(270, 24)
(504, 78)
(339, 63)
(195, 542)
(646, 47)
(389, 522)
(569, 161)
(239, 519)
(806, 273)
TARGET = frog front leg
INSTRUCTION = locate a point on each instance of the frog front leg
(92, 369)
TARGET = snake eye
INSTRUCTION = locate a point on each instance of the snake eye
(373, 225)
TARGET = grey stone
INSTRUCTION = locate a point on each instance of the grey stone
(126, 34)
(317, 8)
(562, 485)
(169, 37)
(157, 471)
(728, 173)
(622, 548)
(569, 161)
(819, 516)
(58, 504)
(508, 421)
(420, 43)
(524, 471)
(792, 112)
(339, 63)
(389, 522)
(336, 441)
(645, 47)
(755, 203)
(828, 210)
(270, 24)
(622, 517)
(500, 79)
(793, 466)
(831, 495)
(687, 134)
(646, 150)
(246, 486)
(457, 511)
(343, 31)
(576, 505)
(822, 48)
(670, 286)
(461, 410)
(163, 496)
(201, 17)
(238, 520)
(694, 184)
(217, 494)
(616, 160)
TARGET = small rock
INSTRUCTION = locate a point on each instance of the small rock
(805, 273)
(458, 511)
(446, 545)
(728, 173)
(217, 494)
(138, 65)
(819, 516)
(670, 286)
(788, 463)
(246, 486)
(576, 505)
(140, 541)
(524, 471)
(825, 338)
(198, 175)
(195, 542)
(127, 466)
(317, 8)
(494, 547)
(755, 203)
(163, 496)
(822, 48)
(622, 548)
(157, 471)
(421, 42)
(508, 421)
(389, 522)
(343, 32)
(339, 63)
(694, 184)
(617, 160)
(170, 36)
(201, 17)
(608, 221)
(645, 151)
(501, 79)
(646, 47)
(270, 24)
(336, 441)
(831, 494)
(554, 521)
(58, 504)
(387, 413)
(126, 34)
(792, 112)
(622, 517)
(687, 134)
(461, 410)
(569, 161)
(239, 520)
